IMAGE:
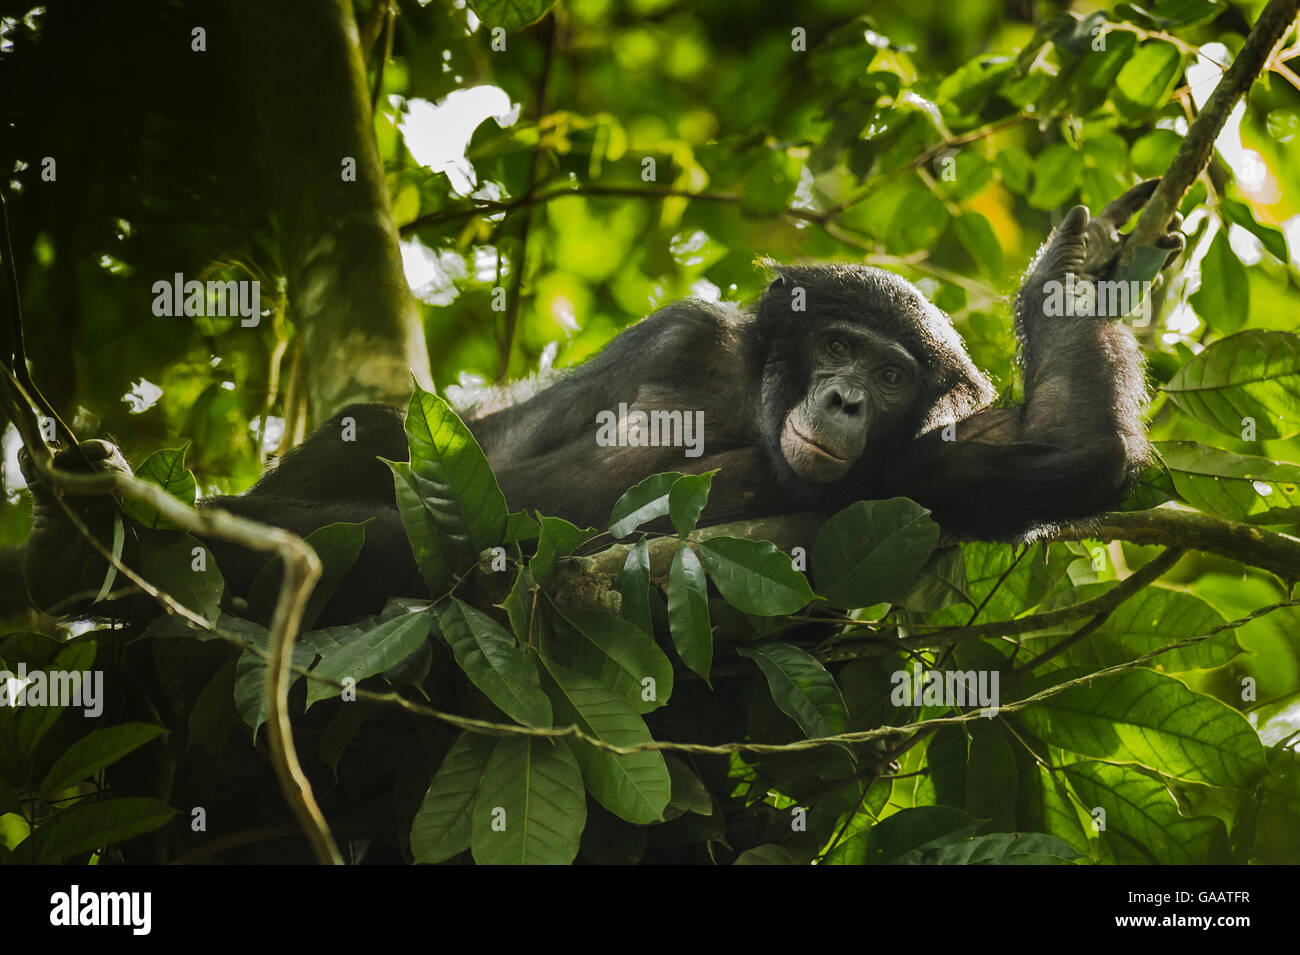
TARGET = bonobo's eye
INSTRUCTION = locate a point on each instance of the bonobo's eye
(837, 348)
(891, 375)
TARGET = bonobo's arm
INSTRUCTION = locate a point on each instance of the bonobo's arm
(1076, 444)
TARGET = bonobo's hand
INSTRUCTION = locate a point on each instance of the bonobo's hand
(1080, 252)
(60, 562)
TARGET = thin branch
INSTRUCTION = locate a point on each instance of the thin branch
(1198, 145)
(302, 569)
(507, 341)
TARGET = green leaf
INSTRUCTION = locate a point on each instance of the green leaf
(754, 576)
(1238, 213)
(520, 527)
(1155, 485)
(770, 854)
(167, 469)
(1143, 825)
(531, 807)
(979, 239)
(443, 824)
(1252, 375)
(1239, 487)
(634, 587)
(688, 611)
(448, 497)
(872, 550)
(1154, 617)
(492, 660)
(337, 546)
(358, 652)
(801, 688)
(519, 606)
(1143, 717)
(916, 830)
(511, 15)
(1152, 153)
(996, 848)
(35, 719)
(9, 801)
(1057, 171)
(635, 786)
(941, 582)
(613, 652)
(1146, 81)
(689, 792)
(250, 681)
(86, 826)
(643, 503)
(1185, 13)
(183, 567)
(1223, 300)
(556, 538)
(686, 499)
(93, 752)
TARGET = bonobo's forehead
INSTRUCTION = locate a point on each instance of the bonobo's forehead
(866, 340)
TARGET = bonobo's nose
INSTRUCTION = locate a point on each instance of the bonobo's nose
(845, 399)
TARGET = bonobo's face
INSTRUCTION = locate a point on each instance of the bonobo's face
(861, 385)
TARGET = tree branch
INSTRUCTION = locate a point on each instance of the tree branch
(1198, 145)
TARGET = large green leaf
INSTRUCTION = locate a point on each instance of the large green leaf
(86, 826)
(1142, 822)
(495, 664)
(32, 721)
(442, 826)
(1153, 617)
(1146, 80)
(530, 808)
(1253, 374)
(182, 567)
(645, 502)
(917, 830)
(635, 786)
(688, 611)
(250, 679)
(337, 546)
(167, 469)
(686, 500)
(358, 652)
(1239, 487)
(613, 652)
(872, 550)
(511, 15)
(93, 752)
(754, 576)
(1144, 717)
(634, 587)
(1223, 300)
(448, 497)
(995, 848)
(801, 687)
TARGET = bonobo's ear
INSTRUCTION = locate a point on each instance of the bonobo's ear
(773, 268)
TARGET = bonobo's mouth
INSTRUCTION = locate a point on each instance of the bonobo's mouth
(810, 460)
(815, 447)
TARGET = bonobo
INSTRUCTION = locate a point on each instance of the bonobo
(843, 383)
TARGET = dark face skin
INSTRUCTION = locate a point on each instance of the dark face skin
(861, 384)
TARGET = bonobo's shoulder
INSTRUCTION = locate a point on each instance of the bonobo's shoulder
(692, 323)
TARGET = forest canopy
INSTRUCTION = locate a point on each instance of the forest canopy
(521, 181)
